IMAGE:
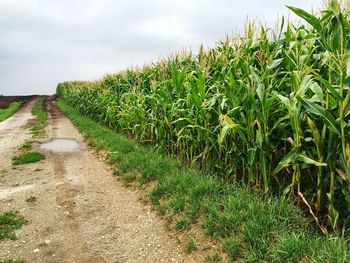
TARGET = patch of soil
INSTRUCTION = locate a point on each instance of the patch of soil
(5, 101)
(31, 199)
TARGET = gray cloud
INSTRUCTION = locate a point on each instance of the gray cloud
(45, 42)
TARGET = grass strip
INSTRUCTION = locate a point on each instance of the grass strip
(9, 222)
(27, 145)
(27, 157)
(12, 261)
(8, 112)
(37, 130)
(246, 224)
(39, 112)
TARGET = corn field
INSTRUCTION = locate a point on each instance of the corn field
(269, 108)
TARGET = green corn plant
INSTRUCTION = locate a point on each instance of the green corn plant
(267, 108)
(333, 31)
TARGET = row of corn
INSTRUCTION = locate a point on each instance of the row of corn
(269, 109)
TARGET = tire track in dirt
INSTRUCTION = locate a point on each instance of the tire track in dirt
(13, 133)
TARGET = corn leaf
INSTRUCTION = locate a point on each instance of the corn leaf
(308, 160)
(312, 20)
(287, 160)
(320, 111)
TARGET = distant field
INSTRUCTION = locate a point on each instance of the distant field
(5, 101)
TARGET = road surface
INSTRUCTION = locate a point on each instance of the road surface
(77, 211)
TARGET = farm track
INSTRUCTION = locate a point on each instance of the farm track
(76, 210)
(13, 132)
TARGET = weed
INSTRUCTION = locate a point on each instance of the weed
(232, 247)
(177, 203)
(213, 258)
(127, 178)
(38, 110)
(182, 224)
(12, 261)
(9, 222)
(190, 246)
(41, 116)
(27, 145)
(8, 112)
(28, 157)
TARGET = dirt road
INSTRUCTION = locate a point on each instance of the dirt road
(13, 132)
(76, 210)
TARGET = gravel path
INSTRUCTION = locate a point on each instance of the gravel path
(13, 133)
(76, 210)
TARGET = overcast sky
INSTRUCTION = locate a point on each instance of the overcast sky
(43, 42)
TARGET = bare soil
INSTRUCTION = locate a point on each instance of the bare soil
(76, 210)
(5, 101)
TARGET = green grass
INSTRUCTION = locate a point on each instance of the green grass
(27, 157)
(9, 222)
(39, 112)
(248, 224)
(12, 261)
(27, 144)
(8, 112)
(213, 258)
(38, 109)
(37, 130)
(190, 246)
(127, 178)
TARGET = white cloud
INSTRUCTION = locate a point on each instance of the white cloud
(44, 42)
(166, 27)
